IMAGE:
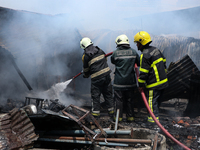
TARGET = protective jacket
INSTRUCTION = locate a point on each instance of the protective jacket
(152, 69)
(124, 58)
(95, 63)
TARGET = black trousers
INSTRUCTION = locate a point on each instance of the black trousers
(124, 98)
(153, 98)
(102, 86)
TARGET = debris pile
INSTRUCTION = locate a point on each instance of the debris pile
(184, 129)
(16, 130)
(89, 133)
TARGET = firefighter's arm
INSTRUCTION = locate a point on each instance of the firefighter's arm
(137, 60)
(164, 61)
(112, 59)
(86, 69)
(144, 71)
(165, 65)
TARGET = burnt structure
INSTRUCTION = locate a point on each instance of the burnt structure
(179, 77)
(194, 96)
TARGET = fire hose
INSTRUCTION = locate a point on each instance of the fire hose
(154, 118)
(149, 109)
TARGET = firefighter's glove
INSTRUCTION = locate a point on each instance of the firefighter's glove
(141, 89)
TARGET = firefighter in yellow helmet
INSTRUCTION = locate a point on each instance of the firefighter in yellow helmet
(95, 65)
(153, 77)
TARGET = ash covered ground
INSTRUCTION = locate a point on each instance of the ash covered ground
(172, 117)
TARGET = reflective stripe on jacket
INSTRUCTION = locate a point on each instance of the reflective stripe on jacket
(153, 69)
(95, 63)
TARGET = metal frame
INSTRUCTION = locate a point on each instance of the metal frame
(89, 133)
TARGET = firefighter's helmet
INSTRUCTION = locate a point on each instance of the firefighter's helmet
(142, 37)
(85, 42)
(122, 39)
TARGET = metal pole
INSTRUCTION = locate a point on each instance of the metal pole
(81, 132)
(116, 121)
(118, 140)
(155, 142)
(83, 142)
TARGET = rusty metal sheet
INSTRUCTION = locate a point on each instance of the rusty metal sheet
(4, 117)
(16, 130)
(13, 112)
(4, 122)
(21, 124)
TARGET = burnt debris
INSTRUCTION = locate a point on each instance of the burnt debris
(16, 130)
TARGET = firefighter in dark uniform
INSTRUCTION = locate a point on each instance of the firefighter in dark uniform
(152, 72)
(95, 65)
(124, 59)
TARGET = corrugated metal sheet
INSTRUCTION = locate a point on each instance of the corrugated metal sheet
(194, 98)
(16, 130)
(179, 75)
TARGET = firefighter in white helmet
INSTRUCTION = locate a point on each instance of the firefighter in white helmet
(153, 77)
(95, 65)
(124, 59)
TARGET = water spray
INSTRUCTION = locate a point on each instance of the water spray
(56, 89)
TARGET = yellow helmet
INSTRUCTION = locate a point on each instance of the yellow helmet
(142, 37)
(85, 42)
(122, 39)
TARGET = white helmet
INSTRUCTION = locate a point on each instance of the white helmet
(85, 42)
(122, 39)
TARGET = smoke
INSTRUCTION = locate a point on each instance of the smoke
(183, 22)
(112, 14)
(46, 50)
(46, 47)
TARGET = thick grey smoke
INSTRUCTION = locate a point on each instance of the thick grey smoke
(46, 50)
(183, 22)
(104, 14)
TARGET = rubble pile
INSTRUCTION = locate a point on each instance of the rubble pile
(183, 128)
(52, 125)
(16, 130)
